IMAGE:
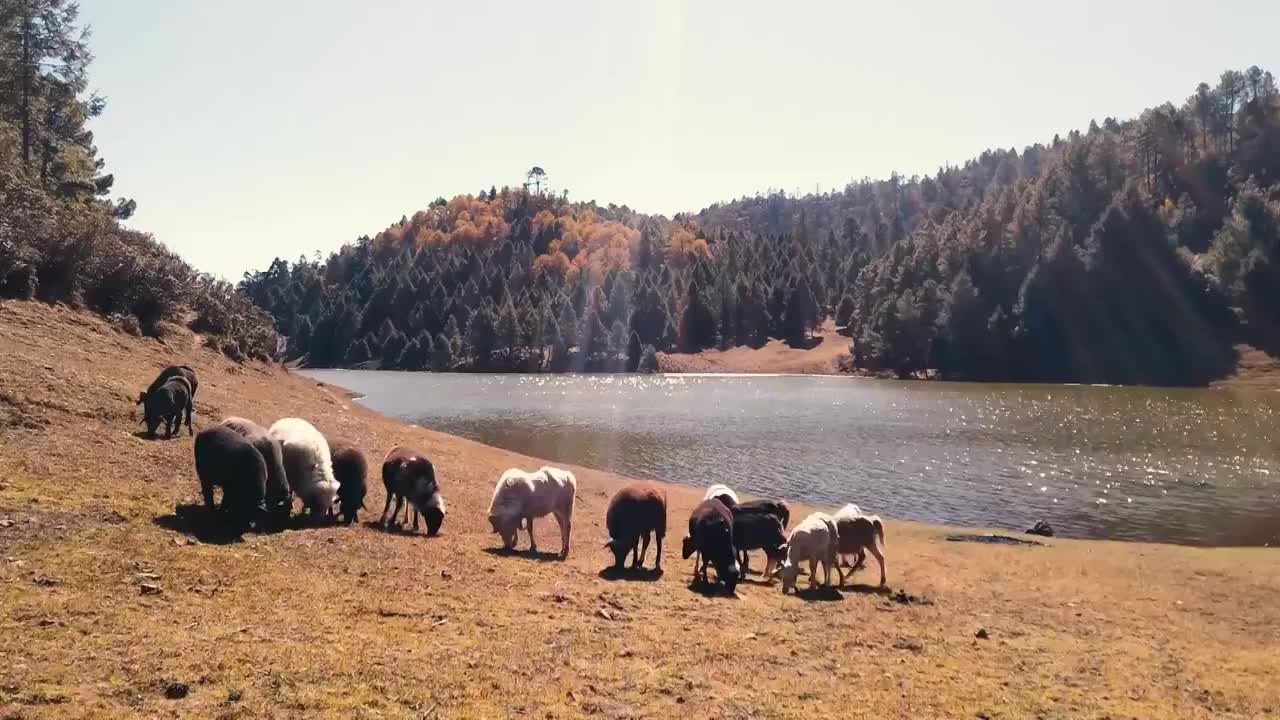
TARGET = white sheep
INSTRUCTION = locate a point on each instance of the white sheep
(814, 540)
(521, 495)
(724, 492)
(858, 534)
(849, 511)
(307, 463)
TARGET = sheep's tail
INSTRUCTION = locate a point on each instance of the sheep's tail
(879, 526)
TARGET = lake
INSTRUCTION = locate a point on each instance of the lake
(1170, 465)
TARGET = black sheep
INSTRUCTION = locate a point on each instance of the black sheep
(279, 500)
(758, 531)
(636, 511)
(225, 459)
(167, 403)
(350, 469)
(409, 475)
(776, 508)
(183, 371)
(711, 536)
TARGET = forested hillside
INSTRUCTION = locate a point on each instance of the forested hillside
(60, 239)
(1133, 252)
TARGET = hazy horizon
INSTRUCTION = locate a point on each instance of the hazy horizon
(247, 133)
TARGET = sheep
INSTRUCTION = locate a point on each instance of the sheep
(849, 511)
(637, 510)
(860, 533)
(776, 508)
(279, 500)
(726, 495)
(307, 464)
(167, 403)
(758, 531)
(350, 470)
(183, 371)
(227, 460)
(524, 496)
(711, 537)
(815, 540)
(409, 475)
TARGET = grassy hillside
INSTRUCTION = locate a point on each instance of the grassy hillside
(353, 622)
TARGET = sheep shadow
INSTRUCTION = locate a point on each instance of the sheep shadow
(820, 593)
(206, 526)
(865, 589)
(629, 574)
(535, 555)
(144, 435)
(711, 589)
(396, 529)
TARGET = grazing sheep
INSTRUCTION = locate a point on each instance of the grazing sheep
(225, 459)
(167, 403)
(758, 531)
(724, 492)
(524, 496)
(408, 475)
(637, 510)
(350, 470)
(183, 371)
(776, 508)
(307, 464)
(279, 500)
(849, 511)
(815, 540)
(711, 537)
(859, 534)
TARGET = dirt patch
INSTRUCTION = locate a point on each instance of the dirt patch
(823, 358)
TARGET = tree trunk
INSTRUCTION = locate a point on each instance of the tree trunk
(28, 68)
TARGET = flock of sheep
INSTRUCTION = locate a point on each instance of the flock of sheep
(260, 470)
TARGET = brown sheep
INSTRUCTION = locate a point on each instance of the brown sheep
(636, 511)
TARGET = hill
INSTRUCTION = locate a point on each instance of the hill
(1137, 252)
(354, 622)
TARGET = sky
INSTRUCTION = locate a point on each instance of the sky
(250, 130)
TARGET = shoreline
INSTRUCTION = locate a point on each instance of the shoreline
(340, 621)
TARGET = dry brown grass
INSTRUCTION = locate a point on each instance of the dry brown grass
(352, 622)
(775, 357)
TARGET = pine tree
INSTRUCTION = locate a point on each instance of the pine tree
(441, 354)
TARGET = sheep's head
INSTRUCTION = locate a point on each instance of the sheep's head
(620, 550)
(687, 548)
(789, 573)
(506, 526)
(729, 574)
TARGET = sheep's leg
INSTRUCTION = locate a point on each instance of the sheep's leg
(206, 489)
(190, 430)
(813, 572)
(395, 513)
(657, 560)
(533, 546)
(875, 550)
(566, 530)
(861, 562)
(643, 547)
(416, 516)
(386, 509)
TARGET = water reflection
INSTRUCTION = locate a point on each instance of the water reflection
(1176, 465)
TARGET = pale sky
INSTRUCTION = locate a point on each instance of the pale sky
(250, 129)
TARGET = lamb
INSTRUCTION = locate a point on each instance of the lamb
(524, 496)
(279, 500)
(724, 492)
(776, 508)
(815, 540)
(350, 470)
(167, 403)
(307, 464)
(711, 537)
(227, 460)
(860, 533)
(758, 531)
(849, 511)
(637, 510)
(408, 475)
